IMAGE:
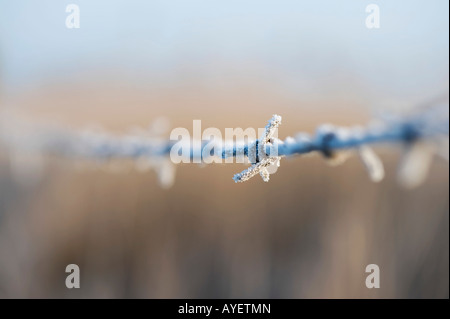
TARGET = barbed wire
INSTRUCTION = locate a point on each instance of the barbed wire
(424, 133)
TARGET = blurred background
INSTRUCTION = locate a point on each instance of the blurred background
(309, 233)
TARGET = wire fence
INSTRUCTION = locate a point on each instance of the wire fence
(422, 133)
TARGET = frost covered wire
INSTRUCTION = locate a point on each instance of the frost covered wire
(257, 155)
(423, 134)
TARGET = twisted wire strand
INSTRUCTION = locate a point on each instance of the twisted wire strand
(430, 125)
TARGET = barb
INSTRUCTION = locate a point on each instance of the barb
(260, 159)
(424, 134)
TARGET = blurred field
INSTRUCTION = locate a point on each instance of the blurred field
(309, 233)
